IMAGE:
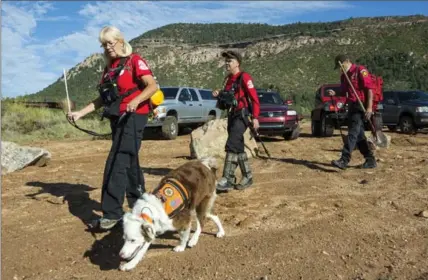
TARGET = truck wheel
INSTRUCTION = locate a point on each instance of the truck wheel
(316, 128)
(292, 135)
(406, 125)
(327, 127)
(170, 128)
(392, 128)
(210, 118)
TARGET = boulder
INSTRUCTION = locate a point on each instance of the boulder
(210, 140)
(15, 157)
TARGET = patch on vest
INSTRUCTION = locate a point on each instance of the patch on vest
(364, 72)
(173, 195)
(142, 65)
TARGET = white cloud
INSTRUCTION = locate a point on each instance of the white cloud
(22, 69)
(29, 60)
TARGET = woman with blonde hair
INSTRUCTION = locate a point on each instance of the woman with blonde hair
(125, 89)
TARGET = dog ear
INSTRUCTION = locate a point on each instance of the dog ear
(148, 232)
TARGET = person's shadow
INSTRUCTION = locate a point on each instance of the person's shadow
(309, 164)
(76, 195)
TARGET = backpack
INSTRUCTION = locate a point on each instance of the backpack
(237, 85)
(155, 100)
(378, 87)
(109, 92)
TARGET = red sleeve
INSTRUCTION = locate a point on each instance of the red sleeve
(140, 66)
(365, 79)
(249, 87)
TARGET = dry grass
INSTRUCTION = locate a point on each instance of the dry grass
(21, 124)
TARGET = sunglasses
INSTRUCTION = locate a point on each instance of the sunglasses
(108, 44)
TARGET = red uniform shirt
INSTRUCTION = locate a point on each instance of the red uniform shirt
(247, 83)
(135, 68)
(360, 79)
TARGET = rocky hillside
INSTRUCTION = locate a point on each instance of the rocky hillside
(293, 58)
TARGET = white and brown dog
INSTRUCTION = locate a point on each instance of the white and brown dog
(184, 194)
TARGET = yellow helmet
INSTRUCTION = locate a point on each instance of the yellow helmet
(157, 98)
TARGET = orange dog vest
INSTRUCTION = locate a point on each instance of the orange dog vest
(173, 195)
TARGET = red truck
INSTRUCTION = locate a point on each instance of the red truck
(276, 118)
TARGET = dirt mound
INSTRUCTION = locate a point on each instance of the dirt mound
(302, 219)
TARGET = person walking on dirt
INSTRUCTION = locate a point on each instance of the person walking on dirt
(360, 79)
(125, 89)
(240, 98)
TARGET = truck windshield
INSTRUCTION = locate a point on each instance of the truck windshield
(269, 98)
(412, 95)
(420, 95)
(169, 93)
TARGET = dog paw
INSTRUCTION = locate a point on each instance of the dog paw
(179, 248)
(192, 242)
(126, 266)
(220, 234)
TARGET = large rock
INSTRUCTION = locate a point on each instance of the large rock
(15, 157)
(210, 139)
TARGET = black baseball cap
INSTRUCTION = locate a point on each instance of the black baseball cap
(232, 54)
(341, 58)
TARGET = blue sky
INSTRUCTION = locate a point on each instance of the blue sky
(39, 39)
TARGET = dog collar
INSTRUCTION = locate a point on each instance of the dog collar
(145, 216)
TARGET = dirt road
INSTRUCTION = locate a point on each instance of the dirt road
(302, 219)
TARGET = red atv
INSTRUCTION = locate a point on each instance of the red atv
(331, 112)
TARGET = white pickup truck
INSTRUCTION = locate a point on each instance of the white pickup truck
(183, 107)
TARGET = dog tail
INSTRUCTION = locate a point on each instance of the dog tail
(211, 163)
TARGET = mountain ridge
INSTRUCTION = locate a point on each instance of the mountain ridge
(296, 63)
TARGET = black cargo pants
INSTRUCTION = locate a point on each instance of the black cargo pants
(120, 173)
(236, 127)
(356, 136)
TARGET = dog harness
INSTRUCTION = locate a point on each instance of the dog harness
(174, 197)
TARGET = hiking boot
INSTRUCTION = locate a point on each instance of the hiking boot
(230, 164)
(369, 163)
(247, 177)
(341, 163)
(106, 224)
(245, 183)
(224, 185)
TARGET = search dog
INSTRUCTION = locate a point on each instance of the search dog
(149, 218)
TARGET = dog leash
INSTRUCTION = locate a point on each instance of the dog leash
(90, 132)
(139, 187)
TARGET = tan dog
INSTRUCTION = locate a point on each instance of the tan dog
(186, 193)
